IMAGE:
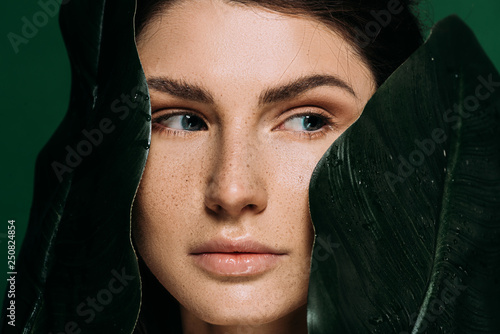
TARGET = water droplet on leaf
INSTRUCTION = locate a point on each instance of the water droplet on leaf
(376, 321)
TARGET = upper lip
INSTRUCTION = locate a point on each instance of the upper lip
(224, 245)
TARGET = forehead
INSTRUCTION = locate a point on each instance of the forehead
(220, 42)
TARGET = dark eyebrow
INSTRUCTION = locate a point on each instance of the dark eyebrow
(180, 89)
(195, 93)
(301, 85)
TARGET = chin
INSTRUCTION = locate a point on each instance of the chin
(242, 304)
(240, 316)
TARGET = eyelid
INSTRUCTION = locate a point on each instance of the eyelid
(309, 111)
(329, 126)
(175, 112)
(323, 115)
(171, 112)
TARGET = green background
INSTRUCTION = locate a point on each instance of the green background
(35, 84)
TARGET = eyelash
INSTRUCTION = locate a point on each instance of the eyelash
(311, 135)
(168, 132)
(156, 126)
(329, 125)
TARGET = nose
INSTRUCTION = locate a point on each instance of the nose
(236, 181)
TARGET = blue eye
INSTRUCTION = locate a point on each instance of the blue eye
(304, 123)
(185, 122)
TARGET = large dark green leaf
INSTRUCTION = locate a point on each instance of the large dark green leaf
(410, 198)
(77, 269)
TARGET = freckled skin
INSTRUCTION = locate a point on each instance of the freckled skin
(247, 174)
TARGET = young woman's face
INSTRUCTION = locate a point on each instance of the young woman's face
(245, 102)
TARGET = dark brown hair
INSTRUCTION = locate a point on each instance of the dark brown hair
(383, 32)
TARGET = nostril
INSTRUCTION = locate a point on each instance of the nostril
(215, 208)
(233, 210)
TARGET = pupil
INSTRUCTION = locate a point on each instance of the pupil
(191, 123)
(312, 123)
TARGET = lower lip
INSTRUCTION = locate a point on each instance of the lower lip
(236, 264)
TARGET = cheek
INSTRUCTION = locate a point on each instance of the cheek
(164, 201)
(292, 166)
(292, 169)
